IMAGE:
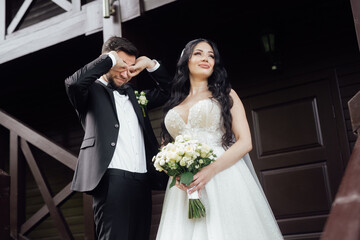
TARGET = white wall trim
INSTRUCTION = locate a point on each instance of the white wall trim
(2, 20)
(19, 15)
(67, 6)
(52, 31)
(86, 19)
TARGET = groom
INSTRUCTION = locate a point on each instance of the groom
(114, 163)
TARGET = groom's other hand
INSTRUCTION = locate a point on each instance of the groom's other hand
(140, 64)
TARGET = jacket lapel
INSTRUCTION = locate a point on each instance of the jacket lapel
(111, 95)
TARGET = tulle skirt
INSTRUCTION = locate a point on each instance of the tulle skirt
(236, 209)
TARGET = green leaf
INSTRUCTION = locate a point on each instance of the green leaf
(173, 182)
(186, 178)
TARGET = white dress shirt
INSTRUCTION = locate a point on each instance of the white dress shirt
(129, 152)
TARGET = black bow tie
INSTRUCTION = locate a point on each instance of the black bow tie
(121, 90)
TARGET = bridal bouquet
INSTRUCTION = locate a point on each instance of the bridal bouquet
(184, 158)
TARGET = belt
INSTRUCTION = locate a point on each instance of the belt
(127, 174)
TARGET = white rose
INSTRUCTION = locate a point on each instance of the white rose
(162, 162)
(205, 148)
(182, 162)
(142, 99)
(179, 150)
(172, 155)
(170, 147)
(157, 166)
(189, 151)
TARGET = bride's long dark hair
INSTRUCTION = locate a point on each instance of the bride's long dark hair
(218, 85)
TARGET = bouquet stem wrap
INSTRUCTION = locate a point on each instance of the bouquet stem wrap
(196, 207)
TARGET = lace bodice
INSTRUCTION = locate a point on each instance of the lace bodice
(204, 122)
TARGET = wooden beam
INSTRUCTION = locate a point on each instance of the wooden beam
(343, 221)
(22, 237)
(61, 28)
(38, 141)
(355, 6)
(354, 111)
(67, 6)
(59, 198)
(142, 7)
(52, 31)
(76, 5)
(5, 205)
(14, 187)
(129, 9)
(19, 15)
(2, 19)
(152, 4)
(55, 212)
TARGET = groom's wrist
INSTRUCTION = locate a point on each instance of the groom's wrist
(154, 66)
(113, 59)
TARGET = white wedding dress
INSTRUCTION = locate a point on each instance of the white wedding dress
(236, 207)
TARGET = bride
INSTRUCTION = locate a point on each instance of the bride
(203, 105)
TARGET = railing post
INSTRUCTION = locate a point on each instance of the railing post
(14, 146)
(17, 186)
(18, 131)
(344, 219)
(5, 205)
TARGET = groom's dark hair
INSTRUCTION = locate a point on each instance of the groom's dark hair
(115, 43)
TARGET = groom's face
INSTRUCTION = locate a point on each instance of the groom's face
(119, 78)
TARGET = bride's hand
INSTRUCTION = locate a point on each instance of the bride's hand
(181, 186)
(201, 179)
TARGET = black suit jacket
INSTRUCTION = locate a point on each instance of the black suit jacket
(95, 106)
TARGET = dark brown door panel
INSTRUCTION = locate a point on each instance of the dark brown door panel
(296, 154)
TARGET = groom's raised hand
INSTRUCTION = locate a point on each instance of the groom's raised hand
(140, 64)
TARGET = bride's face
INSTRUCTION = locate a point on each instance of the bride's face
(202, 60)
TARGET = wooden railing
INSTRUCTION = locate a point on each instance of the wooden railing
(344, 219)
(21, 137)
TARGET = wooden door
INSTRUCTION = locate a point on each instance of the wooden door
(296, 154)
